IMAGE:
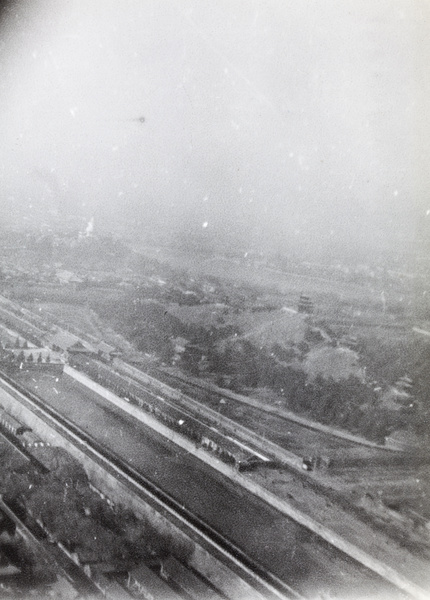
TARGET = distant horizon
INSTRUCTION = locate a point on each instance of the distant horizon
(329, 251)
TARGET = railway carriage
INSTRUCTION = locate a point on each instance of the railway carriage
(30, 440)
(11, 424)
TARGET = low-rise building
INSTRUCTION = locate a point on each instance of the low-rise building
(68, 343)
(106, 351)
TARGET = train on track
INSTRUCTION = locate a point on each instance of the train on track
(176, 417)
(22, 434)
(266, 580)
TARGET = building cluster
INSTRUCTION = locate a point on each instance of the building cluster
(41, 345)
(67, 345)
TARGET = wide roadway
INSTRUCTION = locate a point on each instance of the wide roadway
(288, 550)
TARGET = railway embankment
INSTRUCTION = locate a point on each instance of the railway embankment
(283, 413)
(380, 555)
(348, 534)
(225, 574)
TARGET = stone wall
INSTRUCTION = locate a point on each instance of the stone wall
(120, 491)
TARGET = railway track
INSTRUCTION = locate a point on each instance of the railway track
(270, 582)
(272, 585)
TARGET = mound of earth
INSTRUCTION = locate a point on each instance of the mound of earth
(337, 363)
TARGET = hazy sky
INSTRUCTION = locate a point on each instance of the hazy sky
(267, 120)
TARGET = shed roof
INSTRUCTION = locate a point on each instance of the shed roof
(68, 341)
(104, 347)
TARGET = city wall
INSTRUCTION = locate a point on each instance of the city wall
(120, 491)
(362, 555)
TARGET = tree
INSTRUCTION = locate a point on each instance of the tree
(39, 358)
(62, 466)
(30, 358)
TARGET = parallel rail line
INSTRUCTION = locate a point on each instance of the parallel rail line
(272, 584)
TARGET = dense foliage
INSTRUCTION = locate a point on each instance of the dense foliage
(74, 515)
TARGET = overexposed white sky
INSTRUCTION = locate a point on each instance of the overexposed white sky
(277, 121)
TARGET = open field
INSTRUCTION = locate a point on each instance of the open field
(338, 363)
(79, 316)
